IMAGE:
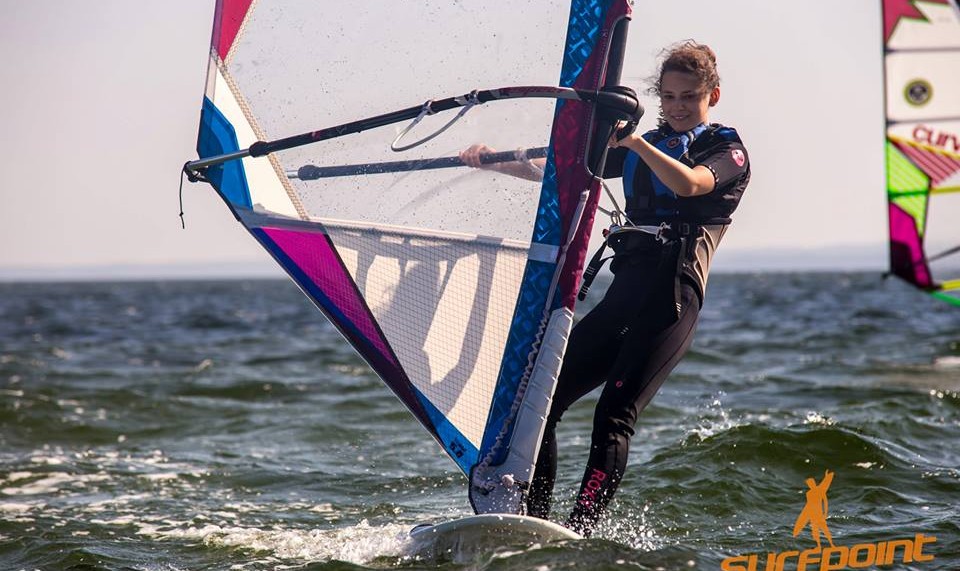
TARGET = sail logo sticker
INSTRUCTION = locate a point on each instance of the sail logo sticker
(936, 138)
(834, 557)
(918, 92)
(738, 157)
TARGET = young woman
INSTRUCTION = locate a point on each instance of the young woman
(682, 181)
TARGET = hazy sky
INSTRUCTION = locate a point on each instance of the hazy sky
(100, 104)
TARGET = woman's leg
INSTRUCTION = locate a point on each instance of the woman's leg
(648, 353)
(584, 365)
(591, 352)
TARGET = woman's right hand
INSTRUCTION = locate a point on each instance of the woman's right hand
(471, 155)
(615, 140)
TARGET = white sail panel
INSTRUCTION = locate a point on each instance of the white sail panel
(923, 85)
(443, 303)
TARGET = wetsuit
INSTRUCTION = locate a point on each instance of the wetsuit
(644, 324)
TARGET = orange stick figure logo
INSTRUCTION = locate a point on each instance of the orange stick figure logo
(814, 513)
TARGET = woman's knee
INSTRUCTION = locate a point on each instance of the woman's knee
(612, 428)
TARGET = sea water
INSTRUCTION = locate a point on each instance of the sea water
(227, 425)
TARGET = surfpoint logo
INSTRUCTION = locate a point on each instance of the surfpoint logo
(813, 516)
(814, 513)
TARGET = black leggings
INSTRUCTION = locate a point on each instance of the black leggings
(629, 343)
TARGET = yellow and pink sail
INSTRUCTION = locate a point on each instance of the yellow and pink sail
(921, 40)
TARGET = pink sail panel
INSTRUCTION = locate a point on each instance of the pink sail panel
(939, 166)
(227, 22)
(570, 142)
(895, 10)
(906, 250)
(311, 251)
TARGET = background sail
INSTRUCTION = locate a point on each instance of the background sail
(921, 62)
(455, 285)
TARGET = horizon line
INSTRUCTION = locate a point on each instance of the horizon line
(853, 260)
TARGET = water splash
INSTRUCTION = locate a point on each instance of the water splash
(713, 419)
(359, 544)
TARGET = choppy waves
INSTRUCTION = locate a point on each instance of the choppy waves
(226, 425)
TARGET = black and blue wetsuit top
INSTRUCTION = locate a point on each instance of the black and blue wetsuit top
(704, 218)
(649, 201)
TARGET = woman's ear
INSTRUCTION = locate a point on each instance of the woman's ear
(715, 96)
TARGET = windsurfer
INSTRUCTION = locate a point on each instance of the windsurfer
(685, 177)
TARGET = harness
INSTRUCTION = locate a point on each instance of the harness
(664, 240)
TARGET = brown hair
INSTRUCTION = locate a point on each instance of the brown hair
(688, 57)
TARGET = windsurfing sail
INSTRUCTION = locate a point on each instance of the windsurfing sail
(456, 285)
(921, 40)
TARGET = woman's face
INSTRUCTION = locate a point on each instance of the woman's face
(684, 102)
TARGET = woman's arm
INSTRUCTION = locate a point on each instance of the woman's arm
(681, 179)
(531, 169)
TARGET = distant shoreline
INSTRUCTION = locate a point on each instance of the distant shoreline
(839, 259)
(144, 272)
